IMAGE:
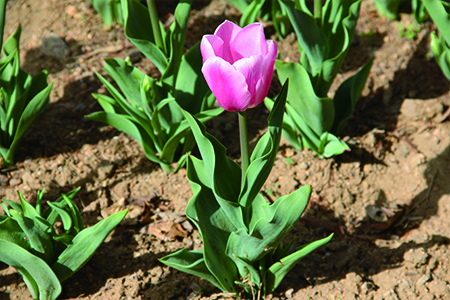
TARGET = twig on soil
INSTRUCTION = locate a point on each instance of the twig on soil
(443, 117)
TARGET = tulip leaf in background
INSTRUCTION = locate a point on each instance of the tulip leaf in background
(150, 110)
(43, 257)
(241, 232)
(22, 97)
(312, 118)
(269, 10)
(109, 10)
(388, 8)
(439, 12)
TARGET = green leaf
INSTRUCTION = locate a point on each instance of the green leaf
(191, 262)
(278, 270)
(251, 12)
(127, 77)
(346, 97)
(269, 225)
(317, 112)
(40, 279)
(177, 35)
(12, 43)
(439, 12)
(191, 84)
(137, 28)
(220, 169)
(106, 9)
(240, 4)
(263, 156)
(11, 231)
(311, 39)
(40, 240)
(332, 145)
(213, 223)
(32, 110)
(388, 8)
(84, 246)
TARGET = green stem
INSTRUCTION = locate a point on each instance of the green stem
(154, 19)
(245, 147)
(318, 12)
(2, 21)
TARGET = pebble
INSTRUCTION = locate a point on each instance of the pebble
(52, 45)
(14, 182)
(71, 10)
(423, 279)
(303, 166)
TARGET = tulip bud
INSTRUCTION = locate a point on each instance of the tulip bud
(238, 65)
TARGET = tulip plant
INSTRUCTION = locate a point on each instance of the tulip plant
(439, 12)
(270, 10)
(44, 258)
(312, 118)
(109, 10)
(148, 109)
(241, 232)
(22, 98)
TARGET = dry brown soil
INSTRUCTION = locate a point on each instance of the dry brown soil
(387, 201)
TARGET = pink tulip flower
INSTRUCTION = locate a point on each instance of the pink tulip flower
(238, 65)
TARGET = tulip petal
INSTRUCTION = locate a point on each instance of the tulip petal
(253, 35)
(251, 68)
(227, 84)
(210, 46)
(263, 85)
(227, 32)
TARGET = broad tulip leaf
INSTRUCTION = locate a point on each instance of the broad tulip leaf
(191, 262)
(266, 233)
(240, 4)
(311, 39)
(388, 8)
(289, 131)
(278, 270)
(331, 145)
(12, 43)
(191, 85)
(127, 77)
(219, 168)
(11, 231)
(346, 97)
(40, 240)
(251, 12)
(39, 278)
(263, 156)
(213, 223)
(317, 112)
(84, 246)
(177, 35)
(137, 28)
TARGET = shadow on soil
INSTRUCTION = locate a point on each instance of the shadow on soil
(421, 79)
(358, 252)
(62, 127)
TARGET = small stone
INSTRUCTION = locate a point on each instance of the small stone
(418, 257)
(422, 280)
(71, 10)
(93, 206)
(3, 179)
(303, 166)
(403, 150)
(52, 45)
(288, 293)
(14, 182)
(405, 283)
(105, 169)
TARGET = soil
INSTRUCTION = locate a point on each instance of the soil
(387, 200)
